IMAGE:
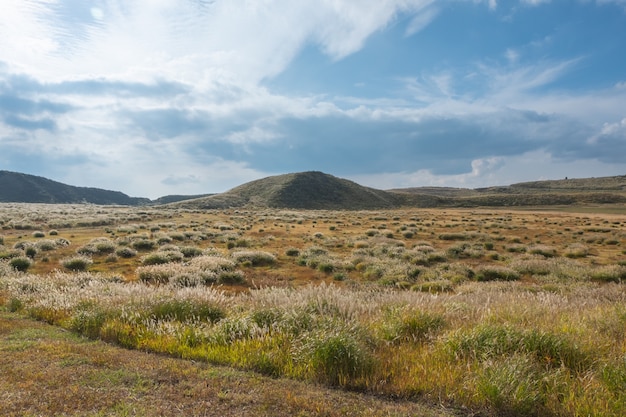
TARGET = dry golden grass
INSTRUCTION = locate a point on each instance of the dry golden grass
(496, 312)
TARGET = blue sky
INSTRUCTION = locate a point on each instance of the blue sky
(195, 96)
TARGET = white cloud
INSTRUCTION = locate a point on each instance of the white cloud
(198, 42)
(535, 2)
(422, 19)
(512, 55)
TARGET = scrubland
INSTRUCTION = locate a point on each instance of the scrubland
(476, 312)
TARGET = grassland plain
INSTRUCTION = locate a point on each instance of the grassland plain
(484, 312)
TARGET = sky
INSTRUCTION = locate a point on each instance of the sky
(160, 97)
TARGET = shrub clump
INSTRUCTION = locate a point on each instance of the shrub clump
(453, 236)
(144, 244)
(98, 246)
(543, 250)
(20, 263)
(255, 258)
(47, 245)
(576, 250)
(496, 273)
(126, 252)
(77, 263)
(161, 257)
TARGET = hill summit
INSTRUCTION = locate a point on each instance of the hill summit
(304, 190)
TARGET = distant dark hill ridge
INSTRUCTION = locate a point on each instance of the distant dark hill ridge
(305, 190)
(23, 188)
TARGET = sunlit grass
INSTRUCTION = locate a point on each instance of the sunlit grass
(537, 330)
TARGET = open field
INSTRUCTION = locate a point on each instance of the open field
(489, 312)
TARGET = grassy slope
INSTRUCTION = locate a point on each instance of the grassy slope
(16, 187)
(604, 190)
(48, 371)
(310, 190)
(316, 190)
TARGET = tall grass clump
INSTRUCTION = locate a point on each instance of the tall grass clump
(609, 273)
(489, 341)
(411, 326)
(336, 357)
(513, 386)
(88, 320)
(185, 311)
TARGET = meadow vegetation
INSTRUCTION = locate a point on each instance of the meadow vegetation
(489, 312)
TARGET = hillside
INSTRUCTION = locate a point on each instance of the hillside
(24, 188)
(167, 199)
(603, 190)
(306, 190)
(319, 191)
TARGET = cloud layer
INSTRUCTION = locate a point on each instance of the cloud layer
(187, 97)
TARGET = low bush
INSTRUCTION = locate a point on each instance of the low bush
(47, 245)
(576, 250)
(161, 257)
(191, 251)
(10, 253)
(496, 273)
(230, 277)
(143, 244)
(256, 258)
(20, 263)
(77, 263)
(126, 252)
(453, 236)
(543, 250)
